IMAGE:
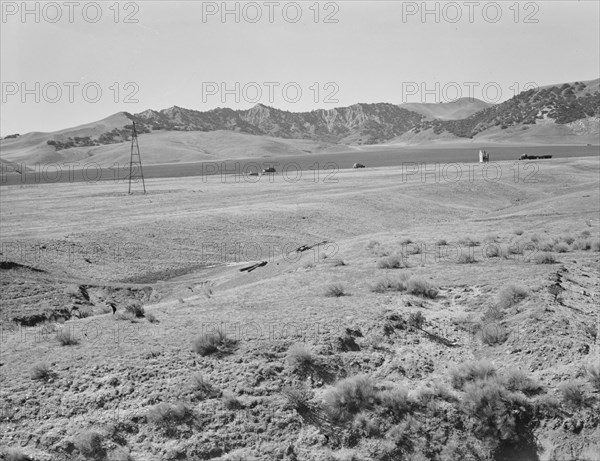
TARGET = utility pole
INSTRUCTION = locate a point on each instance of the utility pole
(133, 163)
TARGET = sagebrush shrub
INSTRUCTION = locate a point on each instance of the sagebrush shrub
(151, 317)
(127, 316)
(593, 372)
(349, 397)
(517, 380)
(420, 287)
(561, 247)
(492, 314)
(501, 415)
(366, 425)
(492, 251)
(120, 454)
(388, 284)
(582, 244)
(494, 334)
(544, 258)
(568, 239)
(89, 444)
(298, 397)
(300, 357)
(471, 371)
(135, 308)
(168, 415)
(395, 401)
(511, 295)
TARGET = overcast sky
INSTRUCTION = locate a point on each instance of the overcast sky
(294, 56)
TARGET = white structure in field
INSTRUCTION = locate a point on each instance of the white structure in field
(484, 157)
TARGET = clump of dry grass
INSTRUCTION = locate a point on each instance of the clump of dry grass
(202, 388)
(466, 258)
(335, 290)
(416, 319)
(14, 454)
(336, 262)
(41, 371)
(468, 241)
(66, 337)
(392, 262)
(210, 343)
(151, 317)
(231, 402)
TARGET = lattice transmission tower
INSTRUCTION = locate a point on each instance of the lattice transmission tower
(135, 161)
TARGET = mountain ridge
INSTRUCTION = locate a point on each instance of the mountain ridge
(564, 113)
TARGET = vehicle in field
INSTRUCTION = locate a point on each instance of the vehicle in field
(358, 165)
(534, 157)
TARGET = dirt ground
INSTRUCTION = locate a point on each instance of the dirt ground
(179, 249)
